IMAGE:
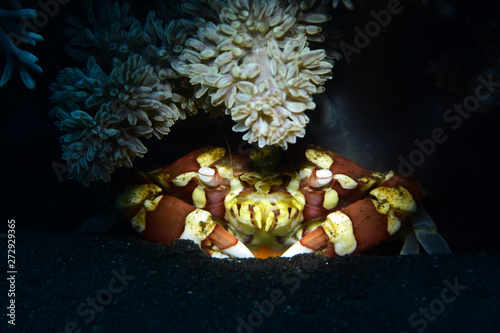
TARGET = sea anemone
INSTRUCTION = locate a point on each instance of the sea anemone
(109, 112)
(250, 59)
(12, 34)
(95, 146)
(255, 62)
(131, 93)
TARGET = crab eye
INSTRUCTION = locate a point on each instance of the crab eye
(206, 175)
(324, 177)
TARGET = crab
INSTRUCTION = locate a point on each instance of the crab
(273, 203)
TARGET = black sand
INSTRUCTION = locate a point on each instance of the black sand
(99, 283)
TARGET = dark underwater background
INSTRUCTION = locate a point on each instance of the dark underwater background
(380, 109)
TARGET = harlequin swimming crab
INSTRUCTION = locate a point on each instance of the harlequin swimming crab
(268, 203)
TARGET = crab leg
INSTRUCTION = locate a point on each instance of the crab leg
(424, 231)
(365, 223)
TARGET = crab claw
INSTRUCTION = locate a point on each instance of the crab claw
(200, 227)
(313, 241)
(337, 229)
(359, 226)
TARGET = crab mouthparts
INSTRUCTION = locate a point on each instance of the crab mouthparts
(267, 213)
(264, 215)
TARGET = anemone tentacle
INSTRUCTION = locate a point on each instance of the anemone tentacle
(12, 36)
